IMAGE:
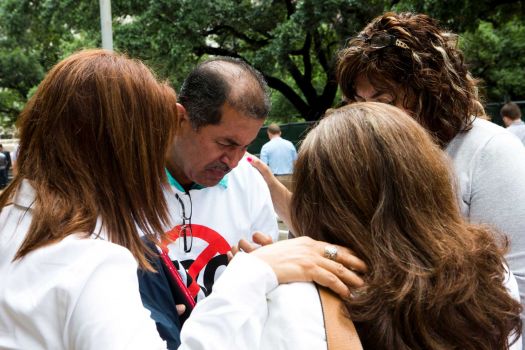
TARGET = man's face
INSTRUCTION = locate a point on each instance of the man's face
(205, 155)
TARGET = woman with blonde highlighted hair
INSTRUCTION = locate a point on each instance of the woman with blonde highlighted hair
(411, 61)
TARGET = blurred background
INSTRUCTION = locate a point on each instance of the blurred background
(293, 43)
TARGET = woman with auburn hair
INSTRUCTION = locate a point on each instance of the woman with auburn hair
(410, 61)
(89, 184)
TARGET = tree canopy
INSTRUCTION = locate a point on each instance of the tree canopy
(292, 42)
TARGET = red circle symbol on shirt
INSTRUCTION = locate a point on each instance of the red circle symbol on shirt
(216, 245)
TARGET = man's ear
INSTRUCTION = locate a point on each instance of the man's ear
(182, 116)
(506, 121)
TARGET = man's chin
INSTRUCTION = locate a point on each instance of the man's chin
(208, 183)
(211, 177)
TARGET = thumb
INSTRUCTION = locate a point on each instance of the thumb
(261, 238)
(180, 308)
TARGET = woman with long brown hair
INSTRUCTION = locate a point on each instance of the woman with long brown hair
(90, 179)
(369, 178)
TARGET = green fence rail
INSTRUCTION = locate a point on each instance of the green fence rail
(295, 132)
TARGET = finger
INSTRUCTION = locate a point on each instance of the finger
(259, 165)
(180, 308)
(229, 255)
(329, 280)
(235, 249)
(346, 257)
(246, 246)
(261, 238)
(347, 276)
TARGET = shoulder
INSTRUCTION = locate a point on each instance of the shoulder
(87, 256)
(511, 284)
(246, 182)
(245, 172)
(482, 131)
(105, 305)
(288, 300)
(518, 130)
(289, 143)
(295, 317)
(76, 250)
(482, 139)
(267, 144)
(93, 265)
(80, 258)
(65, 268)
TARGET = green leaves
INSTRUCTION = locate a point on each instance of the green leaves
(292, 42)
(497, 55)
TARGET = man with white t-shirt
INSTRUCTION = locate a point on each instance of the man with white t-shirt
(216, 197)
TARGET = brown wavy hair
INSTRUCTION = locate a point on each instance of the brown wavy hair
(368, 177)
(93, 140)
(429, 78)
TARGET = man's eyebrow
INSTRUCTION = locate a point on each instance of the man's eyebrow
(230, 141)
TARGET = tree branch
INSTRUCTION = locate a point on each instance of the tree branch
(321, 56)
(290, 8)
(240, 35)
(216, 51)
(304, 85)
(306, 57)
(289, 93)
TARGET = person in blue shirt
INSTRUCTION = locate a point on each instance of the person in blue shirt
(511, 116)
(279, 154)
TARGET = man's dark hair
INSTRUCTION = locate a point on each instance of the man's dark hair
(219, 80)
(510, 110)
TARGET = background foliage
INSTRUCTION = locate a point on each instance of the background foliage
(293, 43)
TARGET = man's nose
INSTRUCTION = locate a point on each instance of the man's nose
(232, 157)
